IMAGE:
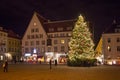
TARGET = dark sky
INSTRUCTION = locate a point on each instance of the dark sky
(16, 14)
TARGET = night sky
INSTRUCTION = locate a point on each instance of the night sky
(16, 14)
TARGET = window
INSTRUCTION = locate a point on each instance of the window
(41, 36)
(109, 48)
(37, 42)
(118, 39)
(51, 29)
(109, 40)
(62, 41)
(37, 36)
(62, 48)
(69, 28)
(55, 49)
(118, 48)
(69, 34)
(60, 29)
(43, 49)
(34, 23)
(32, 30)
(36, 30)
(26, 50)
(50, 35)
(49, 49)
(56, 35)
(55, 42)
(26, 43)
(32, 37)
(28, 36)
(32, 43)
(62, 35)
(43, 42)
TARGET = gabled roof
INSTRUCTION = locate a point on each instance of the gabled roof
(13, 34)
(59, 24)
(111, 29)
(41, 18)
(47, 24)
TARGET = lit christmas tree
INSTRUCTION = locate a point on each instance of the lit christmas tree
(81, 44)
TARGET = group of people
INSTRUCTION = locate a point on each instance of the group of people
(50, 62)
(5, 66)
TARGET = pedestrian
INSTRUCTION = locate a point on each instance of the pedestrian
(55, 62)
(50, 62)
(5, 66)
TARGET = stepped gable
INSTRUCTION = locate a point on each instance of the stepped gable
(59, 24)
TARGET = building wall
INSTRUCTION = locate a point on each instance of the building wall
(34, 38)
(3, 42)
(14, 46)
(111, 45)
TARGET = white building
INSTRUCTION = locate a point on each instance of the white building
(111, 45)
(3, 43)
(44, 40)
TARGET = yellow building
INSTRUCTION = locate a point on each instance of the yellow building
(14, 45)
(3, 43)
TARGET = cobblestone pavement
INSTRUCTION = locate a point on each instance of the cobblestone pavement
(60, 72)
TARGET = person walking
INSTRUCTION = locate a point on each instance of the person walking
(55, 62)
(5, 66)
(50, 62)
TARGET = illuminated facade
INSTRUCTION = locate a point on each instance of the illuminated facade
(48, 39)
(9, 44)
(111, 45)
(3, 43)
(14, 45)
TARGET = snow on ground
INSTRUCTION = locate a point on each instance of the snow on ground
(60, 72)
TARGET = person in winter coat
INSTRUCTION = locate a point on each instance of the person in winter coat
(5, 66)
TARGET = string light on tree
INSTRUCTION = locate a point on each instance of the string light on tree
(81, 44)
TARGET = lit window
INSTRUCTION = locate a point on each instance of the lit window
(62, 41)
(109, 48)
(34, 23)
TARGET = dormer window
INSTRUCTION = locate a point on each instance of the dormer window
(69, 28)
(60, 29)
(117, 30)
(51, 29)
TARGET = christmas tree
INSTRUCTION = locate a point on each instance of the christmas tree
(81, 44)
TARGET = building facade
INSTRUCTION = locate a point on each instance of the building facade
(10, 45)
(44, 40)
(3, 43)
(111, 45)
(14, 45)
